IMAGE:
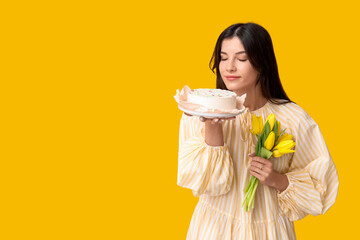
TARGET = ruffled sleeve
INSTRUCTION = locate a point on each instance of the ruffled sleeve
(313, 179)
(202, 168)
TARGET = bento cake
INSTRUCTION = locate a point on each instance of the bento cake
(213, 98)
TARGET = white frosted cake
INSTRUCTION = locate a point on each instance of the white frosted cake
(213, 98)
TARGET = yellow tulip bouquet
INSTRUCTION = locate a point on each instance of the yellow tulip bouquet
(270, 142)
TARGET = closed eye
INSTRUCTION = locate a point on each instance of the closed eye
(241, 60)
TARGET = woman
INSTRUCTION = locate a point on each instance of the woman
(216, 156)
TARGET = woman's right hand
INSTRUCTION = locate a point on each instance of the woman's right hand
(214, 130)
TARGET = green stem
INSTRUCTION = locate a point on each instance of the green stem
(251, 200)
(250, 184)
(253, 196)
(246, 198)
(248, 190)
(247, 187)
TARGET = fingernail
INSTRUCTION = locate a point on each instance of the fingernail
(216, 120)
(222, 120)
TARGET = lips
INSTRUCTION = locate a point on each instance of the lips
(232, 77)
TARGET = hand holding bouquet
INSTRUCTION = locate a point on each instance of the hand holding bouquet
(271, 141)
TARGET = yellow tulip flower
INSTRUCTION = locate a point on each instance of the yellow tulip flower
(270, 140)
(257, 125)
(279, 153)
(283, 147)
(271, 119)
(285, 136)
(284, 151)
(286, 144)
(276, 153)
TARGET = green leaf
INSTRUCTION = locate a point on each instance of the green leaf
(258, 146)
(275, 129)
(282, 132)
(265, 132)
(276, 139)
(264, 153)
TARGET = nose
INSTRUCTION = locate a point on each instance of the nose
(231, 66)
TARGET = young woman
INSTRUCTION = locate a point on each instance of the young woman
(216, 156)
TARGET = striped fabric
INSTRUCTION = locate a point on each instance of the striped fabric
(218, 175)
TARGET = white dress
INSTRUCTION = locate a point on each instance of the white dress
(218, 175)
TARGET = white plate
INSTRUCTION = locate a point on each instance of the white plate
(210, 115)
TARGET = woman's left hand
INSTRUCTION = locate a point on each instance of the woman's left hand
(263, 170)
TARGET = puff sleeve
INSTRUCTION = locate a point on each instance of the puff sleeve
(202, 168)
(313, 179)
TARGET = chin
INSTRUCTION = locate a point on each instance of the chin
(232, 87)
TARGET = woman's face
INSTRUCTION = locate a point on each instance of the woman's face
(235, 69)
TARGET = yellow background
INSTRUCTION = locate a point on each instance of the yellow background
(89, 125)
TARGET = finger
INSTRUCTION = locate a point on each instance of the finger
(257, 165)
(252, 155)
(215, 120)
(256, 173)
(260, 168)
(261, 160)
(202, 119)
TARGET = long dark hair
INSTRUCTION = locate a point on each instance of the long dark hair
(259, 49)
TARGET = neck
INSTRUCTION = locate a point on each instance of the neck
(254, 98)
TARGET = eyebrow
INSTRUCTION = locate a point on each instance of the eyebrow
(235, 53)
